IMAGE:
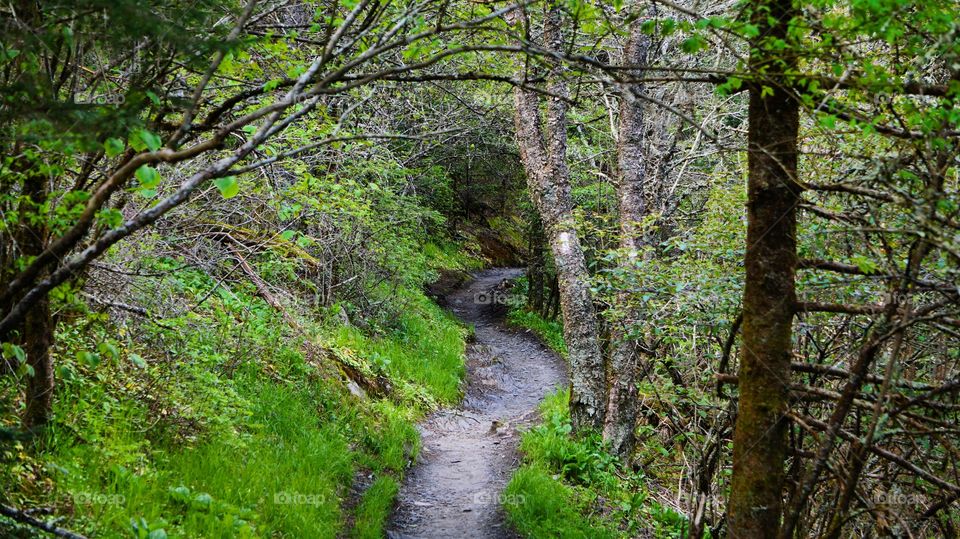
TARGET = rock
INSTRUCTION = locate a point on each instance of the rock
(356, 390)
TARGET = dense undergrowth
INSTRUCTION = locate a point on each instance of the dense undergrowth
(231, 421)
(568, 486)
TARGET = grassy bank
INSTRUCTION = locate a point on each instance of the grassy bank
(229, 421)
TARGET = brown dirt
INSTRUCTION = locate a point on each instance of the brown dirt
(469, 452)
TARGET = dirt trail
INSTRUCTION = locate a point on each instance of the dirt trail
(469, 452)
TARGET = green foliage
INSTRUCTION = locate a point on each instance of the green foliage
(539, 506)
(568, 486)
(578, 460)
(423, 346)
(110, 107)
(228, 186)
(232, 432)
(551, 331)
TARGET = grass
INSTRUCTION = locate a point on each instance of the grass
(540, 506)
(569, 487)
(550, 331)
(283, 470)
(538, 502)
(424, 347)
(375, 508)
(445, 255)
(230, 431)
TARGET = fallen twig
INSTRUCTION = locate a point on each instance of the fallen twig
(21, 516)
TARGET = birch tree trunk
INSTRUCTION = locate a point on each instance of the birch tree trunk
(548, 180)
(759, 444)
(623, 366)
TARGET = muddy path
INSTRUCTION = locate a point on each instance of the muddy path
(469, 452)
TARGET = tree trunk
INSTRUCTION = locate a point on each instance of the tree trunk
(36, 332)
(623, 366)
(548, 180)
(759, 444)
(536, 267)
(553, 304)
(38, 339)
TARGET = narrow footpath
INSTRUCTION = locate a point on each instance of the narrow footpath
(469, 452)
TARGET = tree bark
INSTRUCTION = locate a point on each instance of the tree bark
(37, 330)
(623, 365)
(536, 267)
(759, 445)
(548, 179)
(38, 333)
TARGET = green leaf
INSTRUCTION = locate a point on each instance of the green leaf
(295, 71)
(203, 500)
(109, 349)
(228, 186)
(110, 217)
(271, 85)
(153, 141)
(180, 493)
(138, 361)
(668, 26)
(946, 205)
(148, 176)
(11, 351)
(693, 44)
(65, 373)
(141, 139)
(864, 264)
(68, 36)
(750, 31)
(149, 180)
(25, 369)
(113, 147)
(88, 358)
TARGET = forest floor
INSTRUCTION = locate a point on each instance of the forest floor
(469, 452)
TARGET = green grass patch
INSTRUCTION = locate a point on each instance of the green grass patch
(375, 508)
(450, 256)
(550, 331)
(540, 506)
(570, 487)
(424, 347)
(223, 427)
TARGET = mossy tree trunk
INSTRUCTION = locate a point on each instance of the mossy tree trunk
(37, 331)
(759, 447)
